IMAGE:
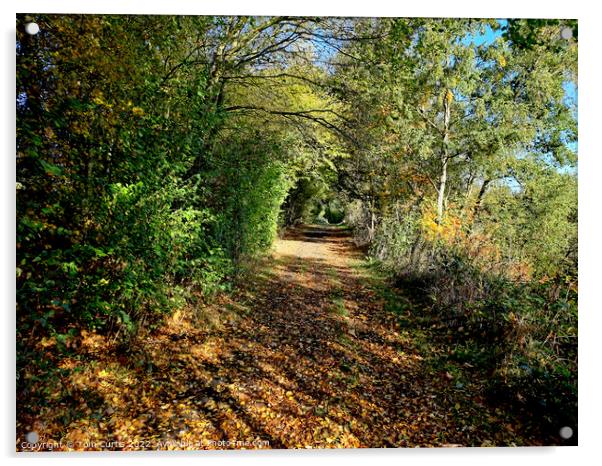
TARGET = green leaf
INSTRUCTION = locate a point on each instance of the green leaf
(51, 169)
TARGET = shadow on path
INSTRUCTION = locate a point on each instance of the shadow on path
(303, 355)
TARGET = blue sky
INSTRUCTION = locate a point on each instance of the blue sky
(489, 36)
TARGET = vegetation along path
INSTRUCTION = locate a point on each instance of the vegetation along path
(307, 354)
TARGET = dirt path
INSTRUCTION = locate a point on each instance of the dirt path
(312, 359)
(304, 355)
(322, 356)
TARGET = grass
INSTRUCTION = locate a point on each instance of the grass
(339, 306)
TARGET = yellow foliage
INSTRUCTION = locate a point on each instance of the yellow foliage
(449, 96)
(479, 247)
(100, 101)
(448, 231)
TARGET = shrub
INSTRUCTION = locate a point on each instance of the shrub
(521, 330)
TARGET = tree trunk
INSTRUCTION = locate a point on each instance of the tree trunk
(479, 201)
(447, 99)
(372, 221)
(442, 186)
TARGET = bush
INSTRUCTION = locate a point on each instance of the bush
(250, 187)
(334, 211)
(358, 217)
(521, 330)
(394, 241)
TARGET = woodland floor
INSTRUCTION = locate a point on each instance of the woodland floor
(307, 353)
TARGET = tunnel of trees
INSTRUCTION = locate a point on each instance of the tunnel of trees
(158, 155)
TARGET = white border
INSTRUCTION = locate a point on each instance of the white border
(590, 229)
(459, 8)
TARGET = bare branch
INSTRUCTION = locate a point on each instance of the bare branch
(307, 114)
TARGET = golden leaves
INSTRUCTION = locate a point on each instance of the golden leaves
(449, 96)
(48, 342)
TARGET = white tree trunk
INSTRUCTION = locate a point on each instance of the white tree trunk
(447, 100)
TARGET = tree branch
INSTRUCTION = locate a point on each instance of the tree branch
(307, 114)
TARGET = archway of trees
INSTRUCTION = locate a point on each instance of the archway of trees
(159, 157)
